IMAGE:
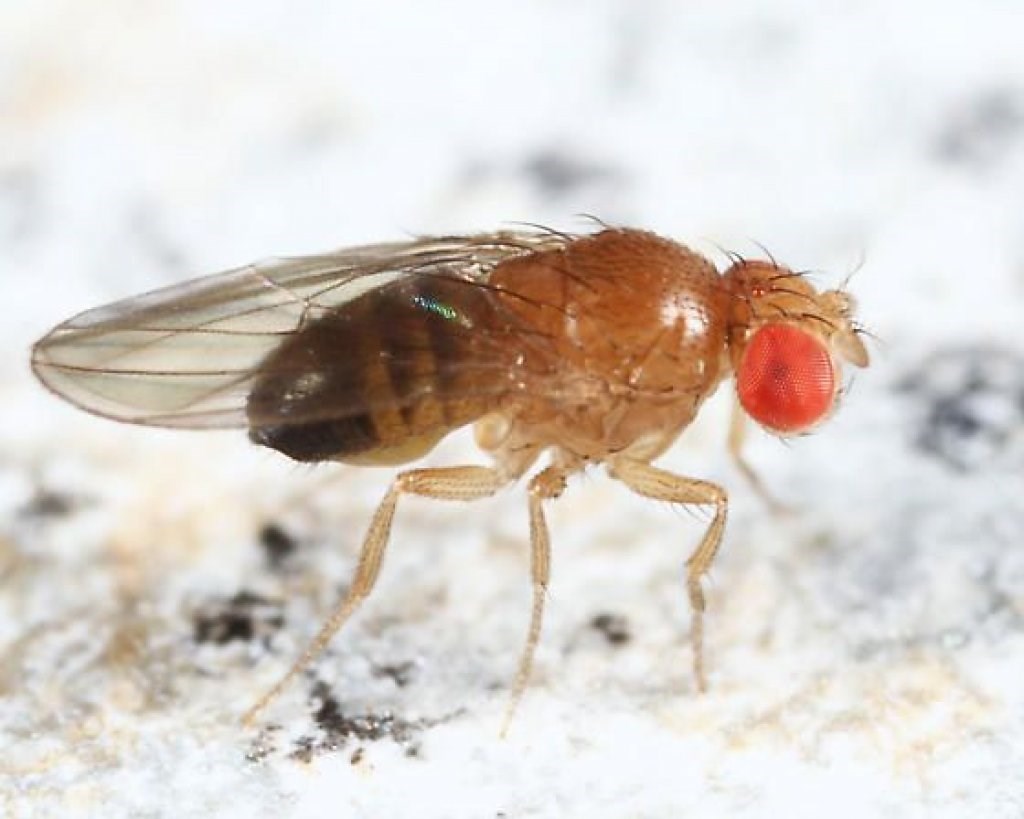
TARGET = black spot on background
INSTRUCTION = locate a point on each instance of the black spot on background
(242, 618)
(557, 173)
(983, 130)
(48, 504)
(552, 173)
(338, 728)
(277, 544)
(401, 673)
(613, 627)
(970, 405)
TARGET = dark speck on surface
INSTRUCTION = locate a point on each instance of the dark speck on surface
(243, 617)
(277, 544)
(971, 404)
(553, 172)
(337, 728)
(401, 673)
(614, 628)
(263, 746)
(47, 504)
(981, 132)
(557, 173)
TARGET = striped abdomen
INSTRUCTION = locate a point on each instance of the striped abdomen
(383, 378)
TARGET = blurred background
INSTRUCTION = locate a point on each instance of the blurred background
(866, 650)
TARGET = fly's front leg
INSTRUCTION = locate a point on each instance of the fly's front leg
(658, 484)
(547, 484)
(737, 435)
(463, 483)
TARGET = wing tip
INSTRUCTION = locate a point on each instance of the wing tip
(42, 365)
(58, 381)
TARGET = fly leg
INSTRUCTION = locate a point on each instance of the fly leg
(658, 484)
(737, 435)
(464, 483)
(547, 484)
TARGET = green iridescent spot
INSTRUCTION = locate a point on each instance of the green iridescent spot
(439, 308)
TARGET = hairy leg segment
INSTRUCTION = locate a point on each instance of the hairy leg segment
(464, 483)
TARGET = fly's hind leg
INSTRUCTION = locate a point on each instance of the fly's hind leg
(547, 484)
(658, 484)
(463, 483)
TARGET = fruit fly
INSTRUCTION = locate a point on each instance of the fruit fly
(587, 349)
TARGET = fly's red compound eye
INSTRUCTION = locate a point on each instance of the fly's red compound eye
(786, 380)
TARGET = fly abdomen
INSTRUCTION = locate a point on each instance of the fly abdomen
(382, 378)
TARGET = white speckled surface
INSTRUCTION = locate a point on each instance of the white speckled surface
(866, 653)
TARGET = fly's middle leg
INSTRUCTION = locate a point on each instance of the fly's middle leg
(658, 484)
(547, 484)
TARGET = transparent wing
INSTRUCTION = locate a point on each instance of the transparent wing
(186, 355)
